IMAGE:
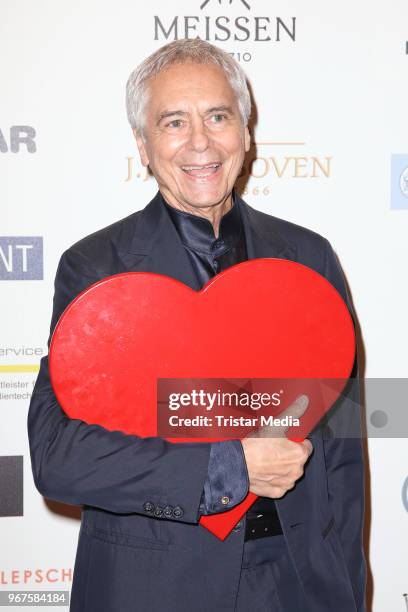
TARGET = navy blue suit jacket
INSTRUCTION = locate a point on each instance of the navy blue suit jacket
(127, 558)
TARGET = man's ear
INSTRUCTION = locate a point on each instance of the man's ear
(142, 148)
(247, 139)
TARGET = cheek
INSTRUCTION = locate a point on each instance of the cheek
(233, 144)
(168, 149)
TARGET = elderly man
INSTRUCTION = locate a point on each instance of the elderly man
(140, 546)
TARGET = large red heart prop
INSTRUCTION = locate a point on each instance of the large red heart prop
(264, 318)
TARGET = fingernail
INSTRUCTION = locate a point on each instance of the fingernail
(302, 401)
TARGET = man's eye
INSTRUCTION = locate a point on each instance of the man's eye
(218, 118)
(176, 123)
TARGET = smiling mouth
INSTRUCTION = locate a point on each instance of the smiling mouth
(202, 171)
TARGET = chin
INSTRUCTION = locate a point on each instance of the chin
(205, 198)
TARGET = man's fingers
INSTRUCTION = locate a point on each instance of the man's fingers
(308, 445)
(298, 408)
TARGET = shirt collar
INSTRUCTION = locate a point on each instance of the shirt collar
(198, 233)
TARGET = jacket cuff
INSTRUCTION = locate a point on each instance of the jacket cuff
(227, 481)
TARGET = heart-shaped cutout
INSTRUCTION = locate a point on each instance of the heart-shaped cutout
(260, 319)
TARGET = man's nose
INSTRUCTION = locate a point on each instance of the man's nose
(199, 138)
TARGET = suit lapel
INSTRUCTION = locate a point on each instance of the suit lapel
(156, 246)
(262, 238)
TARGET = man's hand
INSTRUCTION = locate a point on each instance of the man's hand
(274, 463)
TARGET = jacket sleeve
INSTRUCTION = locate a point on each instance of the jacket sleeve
(227, 477)
(345, 461)
(82, 464)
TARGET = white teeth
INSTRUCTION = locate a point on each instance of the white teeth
(215, 165)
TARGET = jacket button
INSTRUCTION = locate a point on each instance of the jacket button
(158, 511)
(148, 506)
(177, 512)
(225, 500)
(168, 511)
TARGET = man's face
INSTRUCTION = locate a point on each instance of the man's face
(194, 138)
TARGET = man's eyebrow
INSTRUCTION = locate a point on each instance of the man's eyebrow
(219, 109)
(171, 113)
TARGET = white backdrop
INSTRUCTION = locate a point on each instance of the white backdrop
(331, 93)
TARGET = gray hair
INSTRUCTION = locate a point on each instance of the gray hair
(179, 52)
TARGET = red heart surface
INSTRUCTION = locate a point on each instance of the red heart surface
(261, 319)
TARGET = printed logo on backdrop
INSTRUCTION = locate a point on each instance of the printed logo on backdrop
(268, 162)
(21, 258)
(405, 494)
(231, 26)
(19, 366)
(399, 181)
(204, 4)
(36, 575)
(11, 486)
(18, 138)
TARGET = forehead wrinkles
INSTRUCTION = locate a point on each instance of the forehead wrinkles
(173, 89)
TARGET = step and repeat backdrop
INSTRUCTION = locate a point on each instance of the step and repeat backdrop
(330, 152)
